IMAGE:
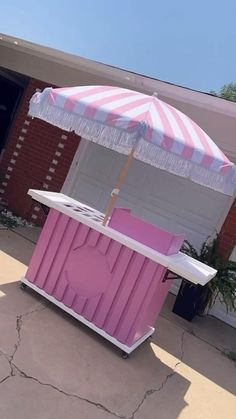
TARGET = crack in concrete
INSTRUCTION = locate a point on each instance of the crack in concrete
(16, 371)
(5, 356)
(19, 323)
(98, 405)
(220, 350)
(76, 396)
(151, 391)
(191, 332)
(5, 379)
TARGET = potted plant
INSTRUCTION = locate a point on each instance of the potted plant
(195, 300)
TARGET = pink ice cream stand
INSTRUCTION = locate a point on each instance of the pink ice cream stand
(112, 272)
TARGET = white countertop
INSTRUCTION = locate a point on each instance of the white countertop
(181, 264)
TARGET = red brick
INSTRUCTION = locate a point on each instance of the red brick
(227, 235)
(35, 157)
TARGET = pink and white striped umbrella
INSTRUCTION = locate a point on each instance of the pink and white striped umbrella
(119, 119)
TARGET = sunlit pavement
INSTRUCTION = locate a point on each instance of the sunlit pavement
(51, 366)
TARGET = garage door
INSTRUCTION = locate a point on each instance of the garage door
(169, 201)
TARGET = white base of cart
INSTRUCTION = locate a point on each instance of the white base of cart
(124, 348)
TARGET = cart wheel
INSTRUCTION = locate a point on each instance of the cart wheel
(23, 286)
(124, 355)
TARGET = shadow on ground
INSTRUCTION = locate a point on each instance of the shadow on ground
(56, 368)
(45, 346)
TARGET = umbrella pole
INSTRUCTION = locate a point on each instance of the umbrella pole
(121, 179)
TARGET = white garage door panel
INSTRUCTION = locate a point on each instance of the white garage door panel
(170, 191)
(89, 191)
(169, 201)
(160, 197)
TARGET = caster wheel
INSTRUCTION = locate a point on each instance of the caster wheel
(23, 286)
(124, 355)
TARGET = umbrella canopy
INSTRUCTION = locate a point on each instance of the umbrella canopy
(127, 121)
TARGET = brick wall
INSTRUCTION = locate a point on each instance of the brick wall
(228, 233)
(37, 155)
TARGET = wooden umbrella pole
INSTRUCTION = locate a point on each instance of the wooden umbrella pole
(121, 179)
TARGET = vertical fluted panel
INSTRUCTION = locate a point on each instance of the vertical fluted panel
(106, 282)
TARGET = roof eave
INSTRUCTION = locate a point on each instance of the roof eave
(129, 79)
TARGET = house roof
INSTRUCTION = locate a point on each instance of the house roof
(92, 72)
(215, 115)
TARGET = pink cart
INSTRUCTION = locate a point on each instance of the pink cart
(112, 278)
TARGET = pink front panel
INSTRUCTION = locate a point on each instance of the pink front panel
(155, 237)
(109, 284)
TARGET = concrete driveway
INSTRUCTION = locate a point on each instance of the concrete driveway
(53, 367)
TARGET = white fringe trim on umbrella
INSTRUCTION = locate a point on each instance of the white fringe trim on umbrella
(175, 164)
(108, 136)
(121, 141)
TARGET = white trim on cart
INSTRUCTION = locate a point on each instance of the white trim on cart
(122, 346)
(179, 263)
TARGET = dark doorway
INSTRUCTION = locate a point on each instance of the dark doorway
(11, 89)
